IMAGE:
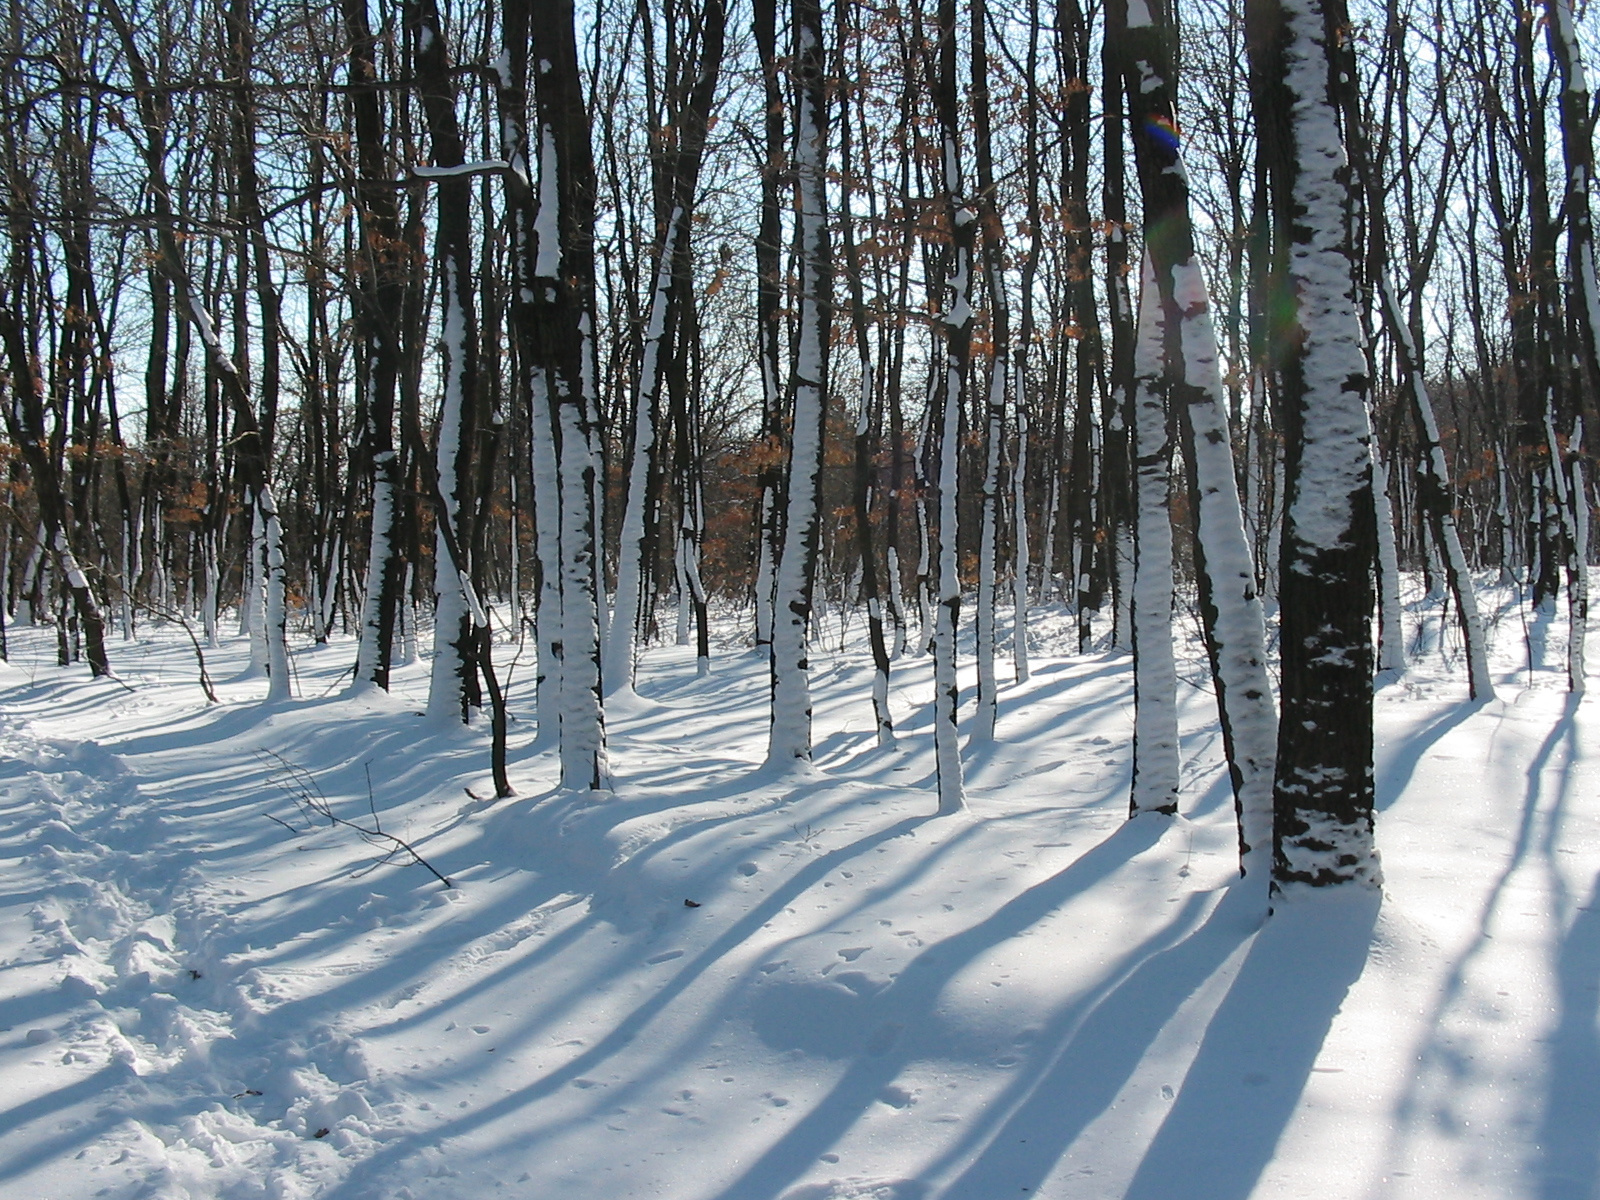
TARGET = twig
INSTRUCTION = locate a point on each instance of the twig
(302, 788)
(166, 614)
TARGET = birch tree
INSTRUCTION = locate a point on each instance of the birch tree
(944, 417)
(562, 320)
(790, 735)
(687, 119)
(1225, 576)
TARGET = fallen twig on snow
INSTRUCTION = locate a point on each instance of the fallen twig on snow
(301, 787)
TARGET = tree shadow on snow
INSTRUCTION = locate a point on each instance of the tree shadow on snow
(1258, 1051)
(1091, 1047)
(1438, 1054)
(898, 1025)
(1395, 771)
(1569, 1128)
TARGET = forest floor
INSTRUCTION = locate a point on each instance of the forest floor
(725, 983)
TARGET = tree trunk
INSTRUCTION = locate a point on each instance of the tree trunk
(1155, 676)
(561, 325)
(1225, 576)
(1323, 789)
(790, 736)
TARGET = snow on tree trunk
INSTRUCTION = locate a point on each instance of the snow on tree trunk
(983, 720)
(1230, 606)
(944, 426)
(454, 668)
(24, 421)
(1155, 675)
(526, 173)
(250, 626)
(1578, 585)
(635, 537)
(790, 736)
(211, 588)
(1432, 481)
(1323, 791)
(559, 333)
(1572, 505)
(583, 748)
(1391, 614)
(375, 648)
(947, 604)
(1577, 142)
(453, 679)
(275, 615)
(547, 552)
(382, 272)
(1225, 574)
(769, 322)
(1019, 538)
(268, 567)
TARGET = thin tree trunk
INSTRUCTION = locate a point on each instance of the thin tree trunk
(944, 422)
(1225, 576)
(1155, 675)
(983, 721)
(790, 737)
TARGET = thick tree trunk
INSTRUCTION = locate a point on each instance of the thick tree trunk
(1323, 790)
(559, 261)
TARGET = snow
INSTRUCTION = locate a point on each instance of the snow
(1035, 996)
(487, 166)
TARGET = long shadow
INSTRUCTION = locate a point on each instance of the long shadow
(553, 1004)
(774, 1022)
(908, 1004)
(1396, 772)
(41, 1108)
(634, 1023)
(1569, 1128)
(1098, 1043)
(1433, 1047)
(1258, 1051)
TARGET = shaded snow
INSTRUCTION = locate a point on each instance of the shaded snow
(1034, 997)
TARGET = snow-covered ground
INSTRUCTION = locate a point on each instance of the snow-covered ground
(727, 984)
